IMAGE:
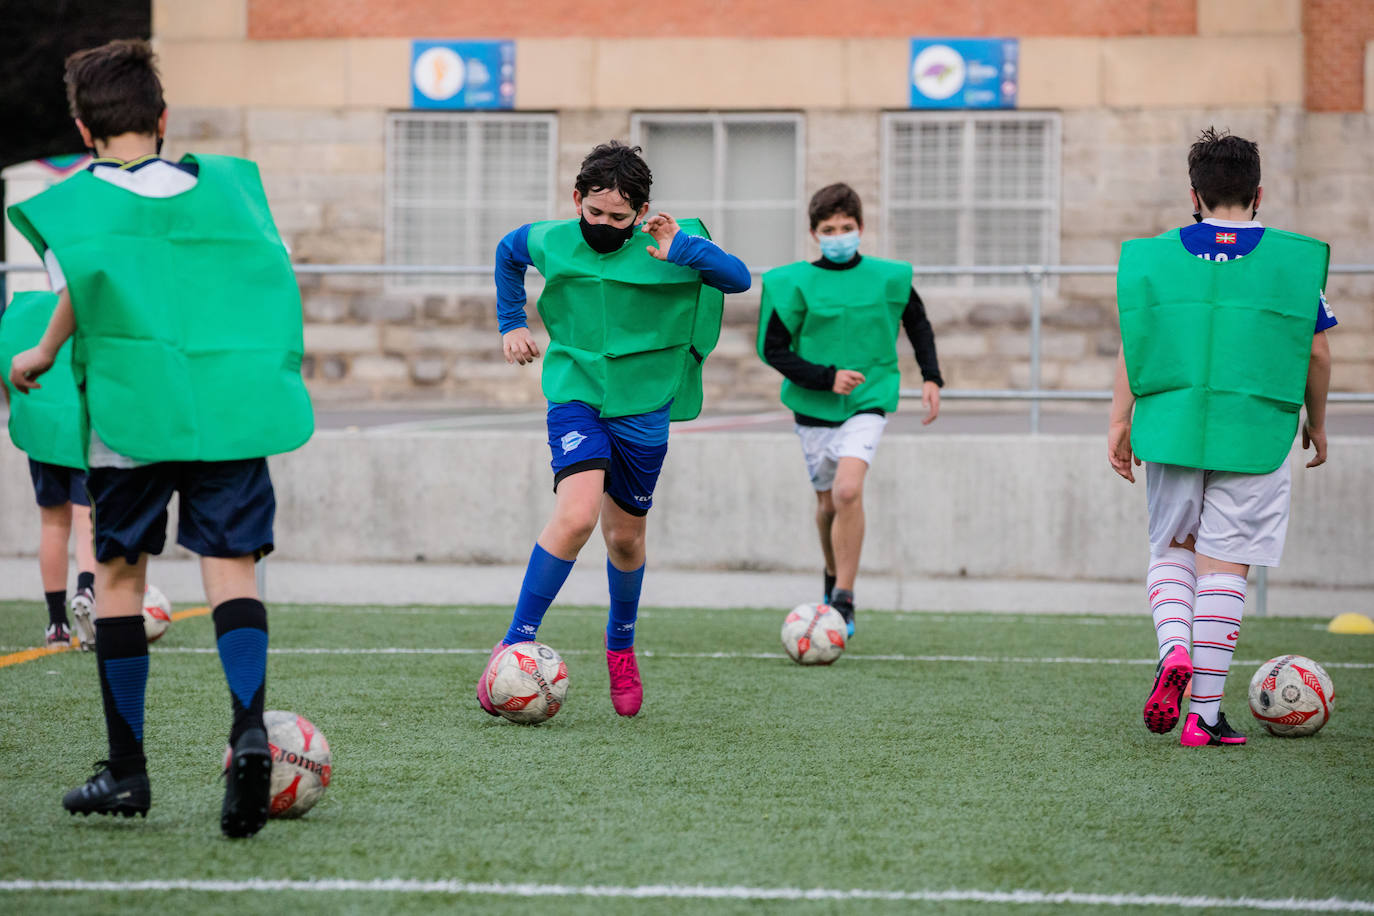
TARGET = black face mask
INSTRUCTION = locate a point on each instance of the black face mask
(605, 238)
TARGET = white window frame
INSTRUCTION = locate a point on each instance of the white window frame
(422, 283)
(715, 215)
(966, 202)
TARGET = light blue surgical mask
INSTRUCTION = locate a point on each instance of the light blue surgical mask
(839, 248)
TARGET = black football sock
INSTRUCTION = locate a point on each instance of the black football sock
(241, 635)
(85, 580)
(57, 606)
(121, 652)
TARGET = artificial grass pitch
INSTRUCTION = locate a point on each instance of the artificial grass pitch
(976, 752)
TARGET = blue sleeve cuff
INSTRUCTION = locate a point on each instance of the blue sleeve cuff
(717, 267)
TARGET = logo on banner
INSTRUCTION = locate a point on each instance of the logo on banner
(439, 73)
(938, 71)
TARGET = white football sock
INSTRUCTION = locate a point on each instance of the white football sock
(1216, 629)
(1170, 584)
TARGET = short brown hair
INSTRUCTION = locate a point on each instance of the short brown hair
(835, 198)
(1224, 169)
(613, 166)
(114, 88)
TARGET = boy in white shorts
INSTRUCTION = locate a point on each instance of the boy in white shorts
(1218, 355)
(830, 327)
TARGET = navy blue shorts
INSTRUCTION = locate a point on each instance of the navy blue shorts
(226, 508)
(629, 449)
(55, 485)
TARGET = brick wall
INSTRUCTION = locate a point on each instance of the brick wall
(276, 19)
(1334, 33)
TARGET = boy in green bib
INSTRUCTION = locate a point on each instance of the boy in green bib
(42, 425)
(632, 307)
(1219, 353)
(830, 327)
(185, 317)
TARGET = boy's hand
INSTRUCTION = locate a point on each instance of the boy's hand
(27, 367)
(664, 229)
(930, 400)
(1316, 438)
(1119, 450)
(519, 346)
(846, 380)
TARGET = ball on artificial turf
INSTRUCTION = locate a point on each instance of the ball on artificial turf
(157, 613)
(528, 682)
(813, 634)
(1292, 696)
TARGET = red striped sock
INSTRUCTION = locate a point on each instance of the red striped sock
(1216, 629)
(1170, 585)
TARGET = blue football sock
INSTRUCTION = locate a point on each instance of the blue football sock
(121, 651)
(625, 588)
(241, 636)
(544, 576)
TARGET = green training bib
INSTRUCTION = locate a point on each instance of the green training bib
(48, 423)
(628, 332)
(845, 318)
(188, 318)
(1217, 351)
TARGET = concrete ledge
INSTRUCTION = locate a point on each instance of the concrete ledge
(940, 507)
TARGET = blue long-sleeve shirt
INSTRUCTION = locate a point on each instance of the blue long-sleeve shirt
(718, 268)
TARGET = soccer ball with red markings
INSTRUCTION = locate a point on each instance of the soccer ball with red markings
(813, 634)
(1292, 696)
(528, 682)
(157, 613)
(301, 763)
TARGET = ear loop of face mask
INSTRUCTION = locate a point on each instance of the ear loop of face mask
(1197, 214)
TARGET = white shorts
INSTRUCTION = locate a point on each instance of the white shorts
(1239, 518)
(824, 446)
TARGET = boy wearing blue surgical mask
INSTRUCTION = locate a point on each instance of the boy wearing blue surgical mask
(830, 327)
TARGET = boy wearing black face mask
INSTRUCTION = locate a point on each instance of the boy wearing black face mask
(629, 326)
(830, 327)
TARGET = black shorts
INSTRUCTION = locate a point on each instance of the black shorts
(55, 485)
(226, 508)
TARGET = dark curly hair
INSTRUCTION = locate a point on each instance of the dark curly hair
(1224, 169)
(614, 166)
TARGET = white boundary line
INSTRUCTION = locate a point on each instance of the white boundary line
(763, 656)
(696, 892)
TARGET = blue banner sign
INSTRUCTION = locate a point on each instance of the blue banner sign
(462, 74)
(964, 72)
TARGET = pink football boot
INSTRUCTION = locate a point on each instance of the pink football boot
(1172, 677)
(483, 699)
(1197, 733)
(627, 692)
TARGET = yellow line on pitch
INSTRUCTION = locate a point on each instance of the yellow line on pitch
(28, 655)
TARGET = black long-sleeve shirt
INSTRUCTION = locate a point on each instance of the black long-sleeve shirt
(778, 352)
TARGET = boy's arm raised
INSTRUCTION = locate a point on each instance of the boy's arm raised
(1318, 383)
(717, 266)
(27, 366)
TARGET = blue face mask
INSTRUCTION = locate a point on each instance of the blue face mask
(839, 248)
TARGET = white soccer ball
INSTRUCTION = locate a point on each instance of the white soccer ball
(813, 634)
(1292, 696)
(528, 682)
(301, 763)
(157, 613)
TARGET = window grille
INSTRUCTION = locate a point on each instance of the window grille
(456, 183)
(974, 190)
(740, 173)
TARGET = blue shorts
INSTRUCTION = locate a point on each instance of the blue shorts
(55, 485)
(226, 508)
(629, 449)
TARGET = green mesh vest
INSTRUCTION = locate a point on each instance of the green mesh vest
(628, 332)
(1217, 351)
(845, 318)
(188, 318)
(48, 422)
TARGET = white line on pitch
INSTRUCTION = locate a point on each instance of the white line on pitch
(696, 892)
(649, 653)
